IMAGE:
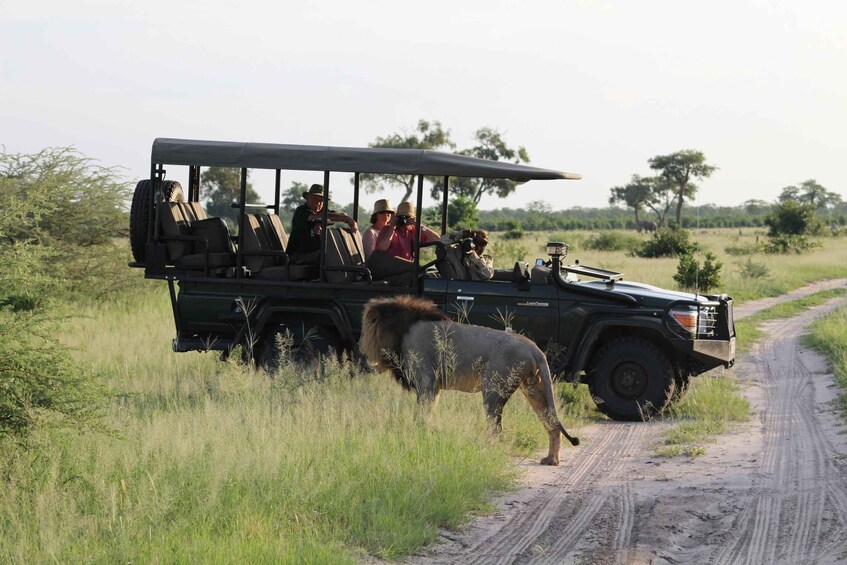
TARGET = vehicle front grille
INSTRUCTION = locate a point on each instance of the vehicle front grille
(707, 321)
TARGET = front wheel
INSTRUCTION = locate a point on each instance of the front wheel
(632, 380)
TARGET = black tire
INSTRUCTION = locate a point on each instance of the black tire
(632, 379)
(139, 213)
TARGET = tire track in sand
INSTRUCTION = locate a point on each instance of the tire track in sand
(796, 512)
(590, 510)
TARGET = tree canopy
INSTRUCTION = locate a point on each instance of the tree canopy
(812, 193)
(681, 169)
(426, 135)
(489, 144)
(221, 186)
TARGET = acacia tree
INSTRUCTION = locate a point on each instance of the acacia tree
(221, 186)
(427, 135)
(812, 193)
(489, 145)
(654, 193)
(636, 194)
(680, 169)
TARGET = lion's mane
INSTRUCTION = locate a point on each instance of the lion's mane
(386, 321)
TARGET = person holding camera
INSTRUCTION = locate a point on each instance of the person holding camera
(394, 251)
(304, 241)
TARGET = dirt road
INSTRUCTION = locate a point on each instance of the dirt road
(772, 491)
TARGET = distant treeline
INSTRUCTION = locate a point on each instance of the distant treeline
(705, 216)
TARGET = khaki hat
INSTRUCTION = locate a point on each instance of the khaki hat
(382, 205)
(405, 209)
(315, 189)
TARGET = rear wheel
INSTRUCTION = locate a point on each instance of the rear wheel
(632, 379)
(298, 343)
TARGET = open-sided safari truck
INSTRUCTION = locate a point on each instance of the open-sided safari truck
(632, 343)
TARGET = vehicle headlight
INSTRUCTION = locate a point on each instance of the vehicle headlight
(697, 322)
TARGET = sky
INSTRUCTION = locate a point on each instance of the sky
(596, 88)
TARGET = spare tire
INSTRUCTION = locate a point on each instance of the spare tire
(139, 212)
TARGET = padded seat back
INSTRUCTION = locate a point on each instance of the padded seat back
(274, 231)
(343, 249)
(254, 239)
(174, 224)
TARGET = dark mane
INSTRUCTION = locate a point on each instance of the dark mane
(395, 316)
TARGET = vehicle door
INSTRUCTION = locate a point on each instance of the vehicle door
(529, 309)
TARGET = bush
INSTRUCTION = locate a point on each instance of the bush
(750, 269)
(789, 243)
(611, 241)
(667, 242)
(690, 275)
(792, 218)
(41, 384)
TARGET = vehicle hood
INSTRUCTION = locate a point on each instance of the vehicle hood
(648, 295)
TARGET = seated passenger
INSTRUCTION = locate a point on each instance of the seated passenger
(379, 219)
(304, 241)
(394, 251)
(479, 265)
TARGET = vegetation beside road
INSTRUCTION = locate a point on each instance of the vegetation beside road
(829, 336)
(114, 448)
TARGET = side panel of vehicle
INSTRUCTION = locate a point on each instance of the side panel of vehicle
(531, 310)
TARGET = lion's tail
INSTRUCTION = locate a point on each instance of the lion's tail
(544, 369)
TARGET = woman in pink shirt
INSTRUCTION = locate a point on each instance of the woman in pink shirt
(394, 249)
(383, 211)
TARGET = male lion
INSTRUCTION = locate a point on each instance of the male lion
(429, 352)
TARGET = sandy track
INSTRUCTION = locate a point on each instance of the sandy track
(772, 491)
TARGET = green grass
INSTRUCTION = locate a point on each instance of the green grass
(829, 336)
(748, 330)
(705, 411)
(209, 462)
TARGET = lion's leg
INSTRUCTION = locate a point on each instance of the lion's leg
(538, 400)
(495, 393)
(427, 398)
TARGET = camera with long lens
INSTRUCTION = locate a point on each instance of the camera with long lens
(403, 221)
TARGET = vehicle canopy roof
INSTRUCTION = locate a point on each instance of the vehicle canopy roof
(341, 159)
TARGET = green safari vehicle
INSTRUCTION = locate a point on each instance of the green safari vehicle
(632, 343)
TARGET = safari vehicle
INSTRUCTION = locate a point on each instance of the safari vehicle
(631, 343)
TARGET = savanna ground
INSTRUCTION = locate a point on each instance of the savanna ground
(203, 461)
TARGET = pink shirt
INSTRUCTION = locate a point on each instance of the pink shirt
(401, 243)
(369, 240)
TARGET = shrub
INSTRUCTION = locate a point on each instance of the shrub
(690, 275)
(611, 241)
(667, 242)
(792, 218)
(513, 230)
(505, 253)
(750, 269)
(41, 384)
(789, 243)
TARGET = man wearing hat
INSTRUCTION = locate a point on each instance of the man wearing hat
(379, 219)
(304, 241)
(394, 250)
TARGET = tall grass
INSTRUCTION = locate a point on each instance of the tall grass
(210, 461)
(704, 411)
(829, 336)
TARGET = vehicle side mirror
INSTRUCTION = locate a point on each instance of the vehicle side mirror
(539, 262)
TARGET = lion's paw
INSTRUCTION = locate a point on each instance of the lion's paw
(553, 461)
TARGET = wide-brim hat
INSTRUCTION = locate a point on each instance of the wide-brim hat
(315, 189)
(382, 205)
(405, 209)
